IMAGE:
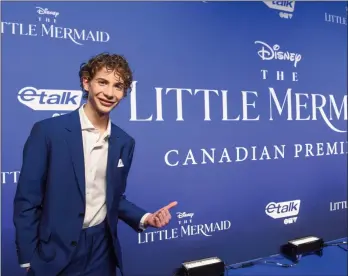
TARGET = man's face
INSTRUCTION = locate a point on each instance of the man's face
(105, 90)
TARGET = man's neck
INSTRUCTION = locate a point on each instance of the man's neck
(99, 121)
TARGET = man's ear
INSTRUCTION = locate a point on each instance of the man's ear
(85, 82)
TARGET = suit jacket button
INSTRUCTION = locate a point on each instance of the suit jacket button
(81, 215)
(73, 243)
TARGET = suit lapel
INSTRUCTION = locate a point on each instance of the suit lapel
(114, 154)
(75, 143)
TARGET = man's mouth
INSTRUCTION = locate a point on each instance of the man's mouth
(106, 103)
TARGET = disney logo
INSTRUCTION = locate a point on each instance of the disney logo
(43, 11)
(184, 215)
(268, 53)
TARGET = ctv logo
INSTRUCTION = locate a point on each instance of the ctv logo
(286, 8)
(287, 209)
(49, 99)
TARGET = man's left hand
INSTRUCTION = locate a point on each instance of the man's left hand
(160, 218)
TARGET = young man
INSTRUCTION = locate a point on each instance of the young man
(70, 193)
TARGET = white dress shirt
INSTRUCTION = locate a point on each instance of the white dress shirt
(95, 147)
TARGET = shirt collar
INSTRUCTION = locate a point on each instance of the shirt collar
(87, 125)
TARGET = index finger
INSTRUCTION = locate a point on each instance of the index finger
(171, 205)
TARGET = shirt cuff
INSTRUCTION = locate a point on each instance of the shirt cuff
(25, 265)
(142, 221)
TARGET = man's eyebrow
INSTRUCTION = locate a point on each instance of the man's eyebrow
(116, 83)
(101, 78)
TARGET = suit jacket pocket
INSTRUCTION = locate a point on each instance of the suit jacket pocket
(46, 250)
(45, 234)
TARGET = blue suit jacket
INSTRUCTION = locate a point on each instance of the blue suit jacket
(49, 203)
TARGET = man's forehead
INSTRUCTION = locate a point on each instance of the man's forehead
(111, 75)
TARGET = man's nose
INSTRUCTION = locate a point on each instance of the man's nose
(108, 92)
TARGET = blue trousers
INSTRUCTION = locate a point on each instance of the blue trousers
(93, 256)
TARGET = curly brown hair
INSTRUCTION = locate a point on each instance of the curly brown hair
(112, 62)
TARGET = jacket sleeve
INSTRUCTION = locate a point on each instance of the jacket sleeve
(128, 211)
(29, 194)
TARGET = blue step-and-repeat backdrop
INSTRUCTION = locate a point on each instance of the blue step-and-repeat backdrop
(239, 111)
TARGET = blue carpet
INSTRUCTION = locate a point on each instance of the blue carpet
(332, 263)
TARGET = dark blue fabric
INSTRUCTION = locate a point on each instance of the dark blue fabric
(93, 256)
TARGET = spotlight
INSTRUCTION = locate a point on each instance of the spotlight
(204, 267)
(306, 245)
